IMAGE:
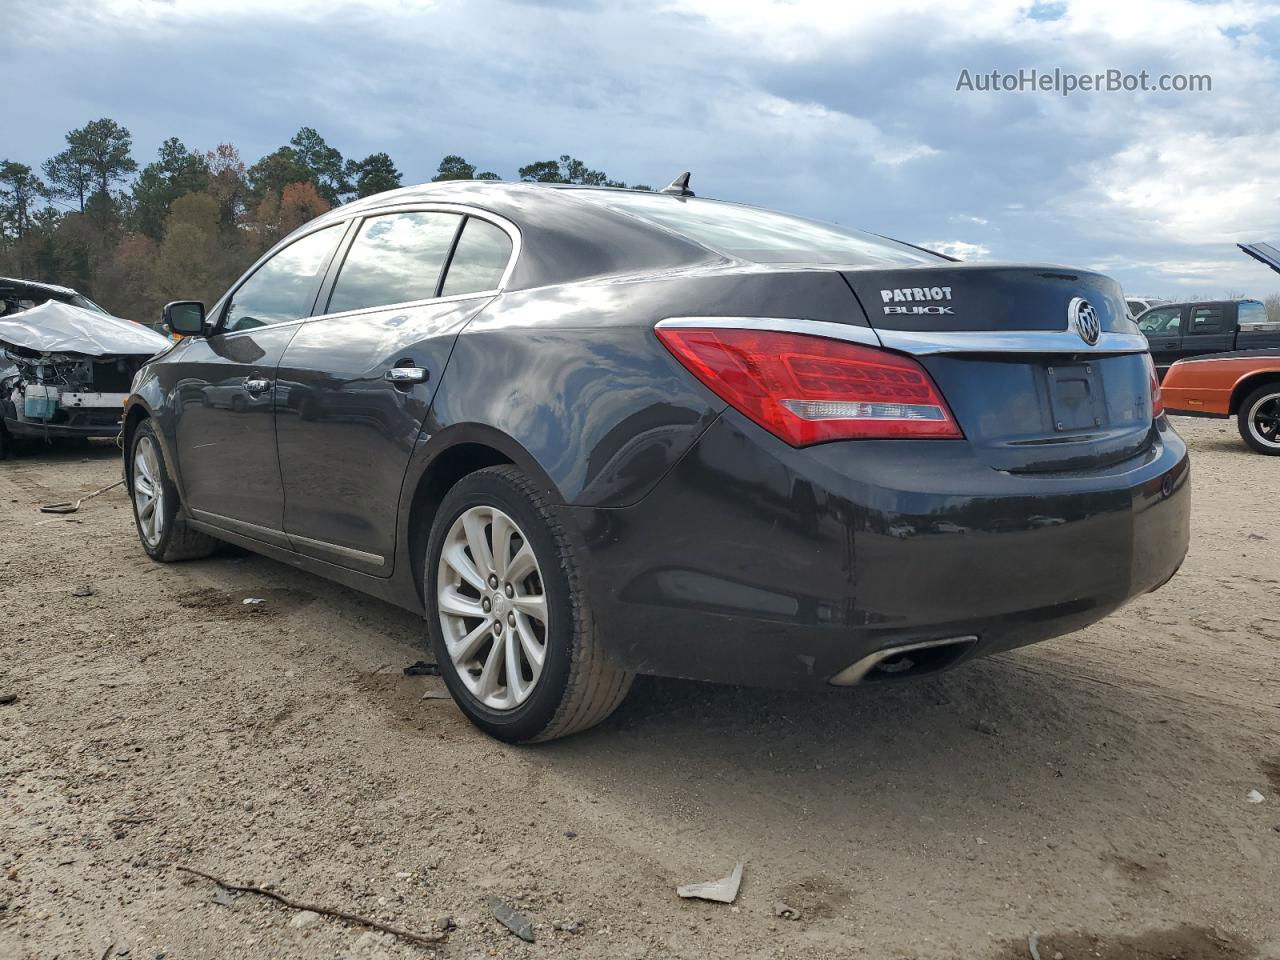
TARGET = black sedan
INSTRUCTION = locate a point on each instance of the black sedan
(591, 433)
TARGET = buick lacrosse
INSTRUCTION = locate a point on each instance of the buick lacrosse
(593, 433)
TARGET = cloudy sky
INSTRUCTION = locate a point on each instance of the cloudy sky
(809, 106)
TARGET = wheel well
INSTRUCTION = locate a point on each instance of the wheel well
(135, 416)
(446, 470)
(1248, 385)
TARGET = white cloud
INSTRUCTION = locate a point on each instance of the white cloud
(960, 249)
(1188, 187)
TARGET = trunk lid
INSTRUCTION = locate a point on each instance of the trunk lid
(1041, 365)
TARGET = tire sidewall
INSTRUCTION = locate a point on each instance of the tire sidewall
(145, 429)
(494, 488)
(1245, 422)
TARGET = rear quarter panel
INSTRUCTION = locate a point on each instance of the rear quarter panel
(574, 375)
(1207, 386)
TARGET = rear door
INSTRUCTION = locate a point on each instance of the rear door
(1033, 385)
(225, 431)
(360, 376)
(1162, 326)
(1209, 328)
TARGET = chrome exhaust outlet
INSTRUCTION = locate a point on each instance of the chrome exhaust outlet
(857, 672)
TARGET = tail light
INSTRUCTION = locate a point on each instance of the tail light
(806, 389)
(1157, 400)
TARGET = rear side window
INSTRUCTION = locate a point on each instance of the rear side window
(283, 288)
(1206, 320)
(1252, 314)
(479, 260)
(762, 235)
(395, 258)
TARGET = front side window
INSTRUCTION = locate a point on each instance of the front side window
(1159, 321)
(396, 258)
(1206, 320)
(762, 235)
(283, 288)
(479, 260)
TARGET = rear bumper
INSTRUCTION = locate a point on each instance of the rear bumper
(29, 428)
(755, 563)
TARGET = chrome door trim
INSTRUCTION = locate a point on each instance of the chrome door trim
(337, 550)
(922, 343)
(242, 527)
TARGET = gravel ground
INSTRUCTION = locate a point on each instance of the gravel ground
(1091, 791)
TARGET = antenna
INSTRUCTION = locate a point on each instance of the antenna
(679, 186)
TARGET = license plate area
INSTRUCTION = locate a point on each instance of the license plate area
(1075, 396)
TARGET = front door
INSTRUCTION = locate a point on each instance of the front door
(225, 433)
(1163, 329)
(360, 379)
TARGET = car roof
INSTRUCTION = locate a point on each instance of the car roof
(503, 197)
(562, 237)
(49, 288)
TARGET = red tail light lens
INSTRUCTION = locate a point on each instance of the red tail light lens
(1157, 400)
(806, 389)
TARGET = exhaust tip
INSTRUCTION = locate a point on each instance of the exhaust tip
(905, 660)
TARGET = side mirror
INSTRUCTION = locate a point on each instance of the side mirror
(185, 317)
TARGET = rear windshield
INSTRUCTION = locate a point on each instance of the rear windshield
(762, 235)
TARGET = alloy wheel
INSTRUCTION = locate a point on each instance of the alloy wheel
(1264, 420)
(148, 490)
(493, 607)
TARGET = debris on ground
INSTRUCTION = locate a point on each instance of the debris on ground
(1257, 536)
(252, 601)
(73, 507)
(445, 924)
(1255, 797)
(8, 698)
(513, 920)
(222, 898)
(423, 668)
(724, 890)
(305, 919)
(84, 590)
(435, 694)
(1033, 947)
(569, 926)
(280, 898)
(785, 911)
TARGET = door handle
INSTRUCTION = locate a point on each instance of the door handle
(406, 376)
(256, 385)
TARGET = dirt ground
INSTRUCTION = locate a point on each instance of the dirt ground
(1091, 791)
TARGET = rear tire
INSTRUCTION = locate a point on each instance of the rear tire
(162, 526)
(526, 604)
(1259, 419)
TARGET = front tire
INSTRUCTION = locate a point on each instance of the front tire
(1259, 419)
(161, 524)
(508, 617)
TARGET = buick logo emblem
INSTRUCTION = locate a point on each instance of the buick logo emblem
(1082, 318)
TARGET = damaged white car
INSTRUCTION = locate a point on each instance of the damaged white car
(65, 370)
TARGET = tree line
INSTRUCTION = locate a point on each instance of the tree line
(188, 223)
